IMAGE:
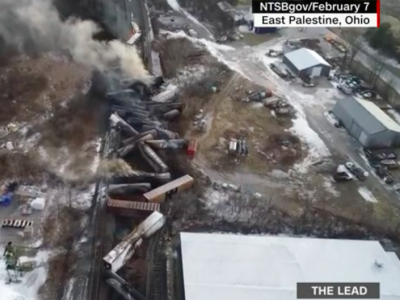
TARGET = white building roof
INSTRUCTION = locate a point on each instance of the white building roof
(380, 115)
(305, 58)
(237, 267)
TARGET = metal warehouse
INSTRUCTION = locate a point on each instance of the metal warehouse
(237, 267)
(366, 122)
(305, 62)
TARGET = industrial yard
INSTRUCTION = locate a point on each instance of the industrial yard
(141, 149)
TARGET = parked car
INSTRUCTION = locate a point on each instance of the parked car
(356, 171)
(345, 89)
(342, 174)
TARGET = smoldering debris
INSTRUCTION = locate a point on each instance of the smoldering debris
(114, 167)
(26, 24)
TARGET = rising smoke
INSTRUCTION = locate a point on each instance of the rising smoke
(37, 23)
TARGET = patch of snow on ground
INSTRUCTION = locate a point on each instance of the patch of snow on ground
(30, 282)
(316, 147)
(83, 201)
(220, 52)
(175, 6)
(330, 188)
(367, 195)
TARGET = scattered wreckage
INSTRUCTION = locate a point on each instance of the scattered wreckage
(138, 124)
(382, 161)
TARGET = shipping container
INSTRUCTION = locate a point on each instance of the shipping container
(121, 253)
(192, 147)
(134, 209)
(165, 191)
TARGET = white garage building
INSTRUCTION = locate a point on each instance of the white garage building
(237, 267)
(306, 62)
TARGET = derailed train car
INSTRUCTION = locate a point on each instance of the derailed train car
(133, 209)
(165, 191)
(121, 253)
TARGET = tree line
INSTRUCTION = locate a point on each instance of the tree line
(384, 40)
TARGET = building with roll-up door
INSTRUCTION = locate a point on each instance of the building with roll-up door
(307, 63)
(367, 123)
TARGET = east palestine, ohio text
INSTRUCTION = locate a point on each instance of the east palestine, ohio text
(299, 20)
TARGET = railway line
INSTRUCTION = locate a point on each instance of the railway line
(94, 287)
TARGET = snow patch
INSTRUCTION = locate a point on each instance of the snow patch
(316, 147)
(330, 188)
(30, 281)
(367, 195)
(175, 6)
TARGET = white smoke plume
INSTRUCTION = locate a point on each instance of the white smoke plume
(38, 23)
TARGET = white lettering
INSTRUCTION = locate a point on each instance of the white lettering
(352, 291)
(322, 290)
(363, 290)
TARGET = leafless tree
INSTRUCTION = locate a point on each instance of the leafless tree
(377, 63)
(353, 43)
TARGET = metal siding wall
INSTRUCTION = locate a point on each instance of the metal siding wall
(289, 64)
(355, 130)
(396, 141)
(383, 139)
(325, 71)
(340, 112)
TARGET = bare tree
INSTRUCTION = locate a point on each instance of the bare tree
(353, 43)
(377, 64)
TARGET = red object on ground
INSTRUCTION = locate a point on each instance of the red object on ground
(192, 147)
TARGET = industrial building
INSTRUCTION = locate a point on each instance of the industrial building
(237, 267)
(366, 122)
(307, 63)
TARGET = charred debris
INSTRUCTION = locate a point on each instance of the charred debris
(139, 118)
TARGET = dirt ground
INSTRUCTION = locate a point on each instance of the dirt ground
(228, 117)
(47, 98)
(57, 122)
(32, 86)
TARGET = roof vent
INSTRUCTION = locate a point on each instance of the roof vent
(378, 264)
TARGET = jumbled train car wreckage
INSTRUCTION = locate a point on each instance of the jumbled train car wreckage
(138, 120)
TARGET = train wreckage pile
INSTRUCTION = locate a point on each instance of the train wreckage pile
(138, 120)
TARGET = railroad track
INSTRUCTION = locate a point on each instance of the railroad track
(157, 273)
(112, 139)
